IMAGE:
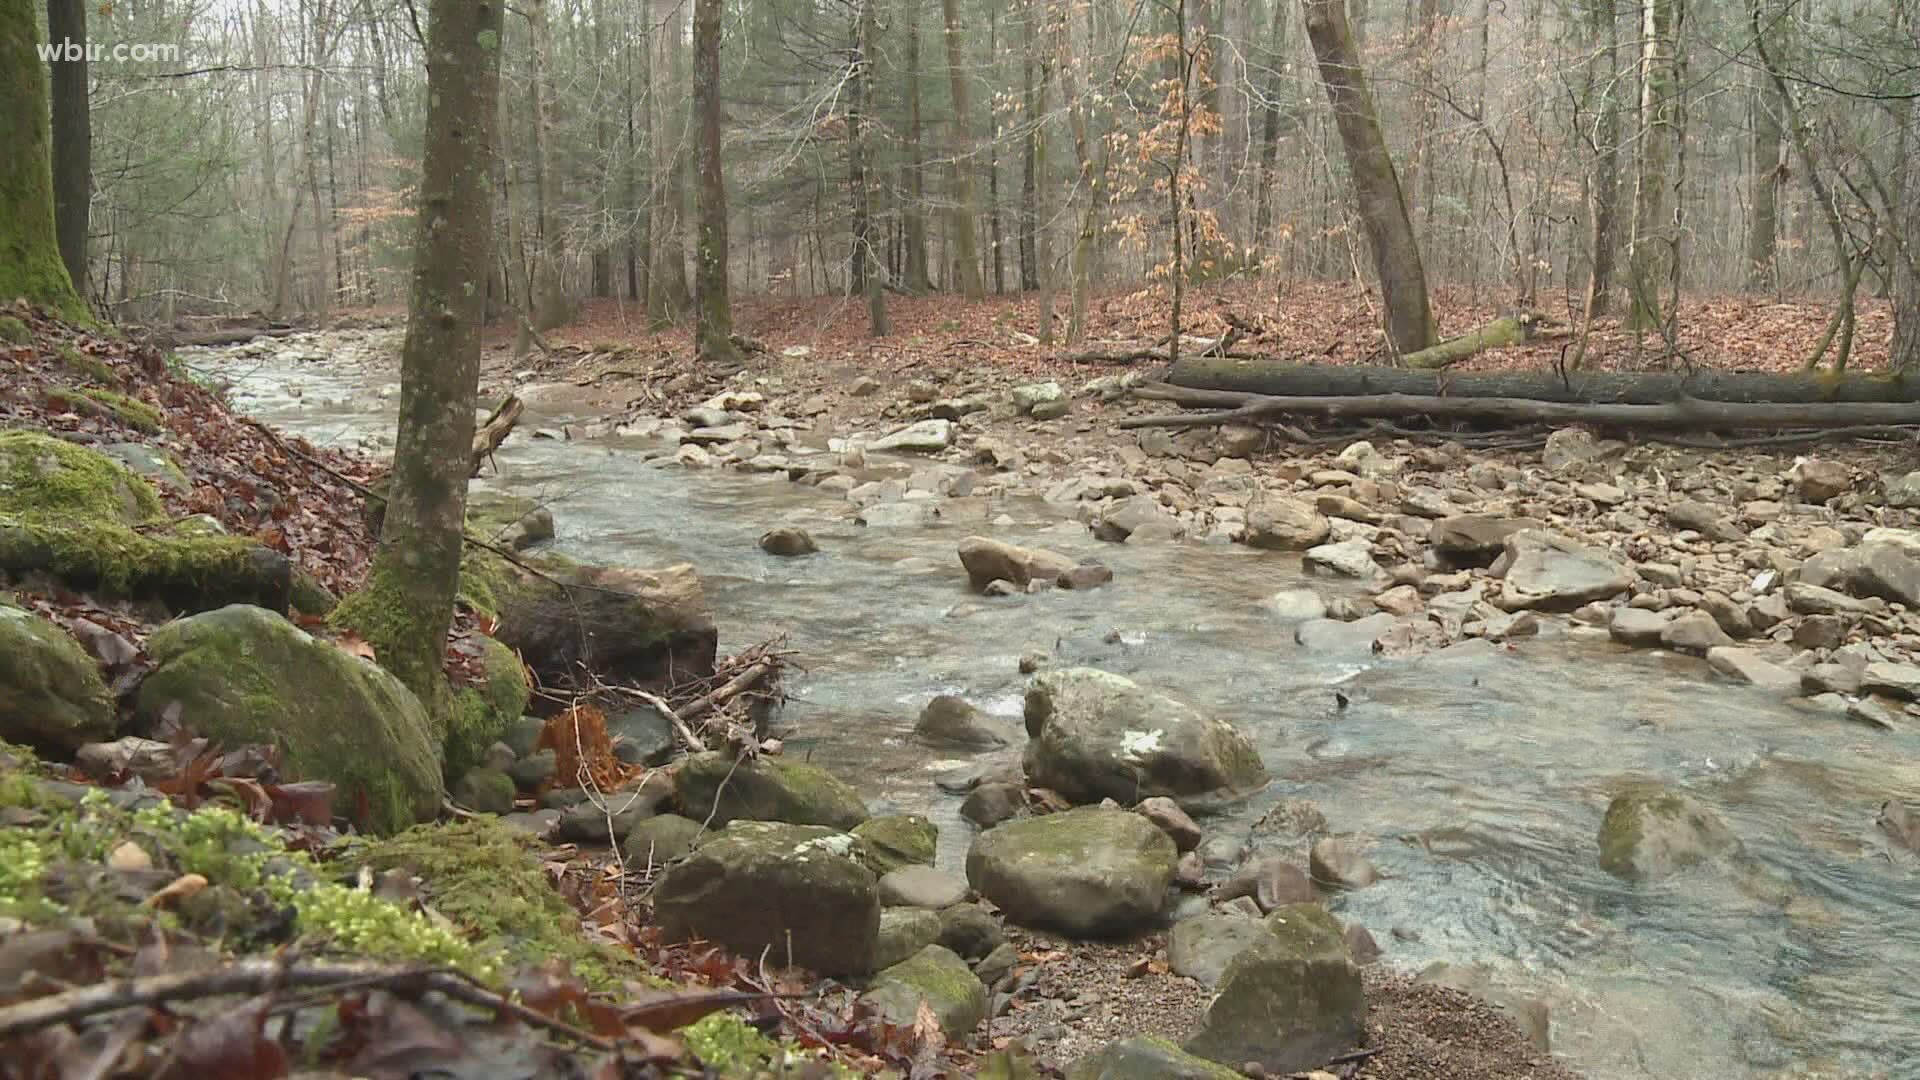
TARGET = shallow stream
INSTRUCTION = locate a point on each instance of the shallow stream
(1479, 773)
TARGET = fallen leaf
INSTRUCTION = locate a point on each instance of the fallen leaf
(179, 889)
(129, 857)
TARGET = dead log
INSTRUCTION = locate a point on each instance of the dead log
(1275, 378)
(1498, 334)
(233, 335)
(499, 425)
(1689, 413)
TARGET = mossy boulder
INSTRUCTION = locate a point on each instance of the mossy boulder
(1091, 872)
(1203, 947)
(488, 791)
(482, 713)
(1291, 1000)
(245, 675)
(91, 401)
(658, 840)
(713, 786)
(897, 840)
(1144, 1057)
(904, 932)
(796, 891)
(511, 521)
(1095, 735)
(51, 693)
(938, 979)
(152, 464)
(41, 475)
(1650, 832)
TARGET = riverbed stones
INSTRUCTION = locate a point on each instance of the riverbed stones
(903, 932)
(795, 891)
(1090, 872)
(1172, 820)
(1651, 832)
(1636, 626)
(1903, 492)
(1094, 735)
(1146, 1057)
(1290, 1000)
(1895, 680)
(1339, 862)
(51, 692)
(242, 675)
(921, 886)
(1296, 605)
(1749, 666)
(1132, 514)
(987, 560)
(948, 720)
(1348, 558)
(1281, 523)
(1546, 571)
(1888, 572)
(1201, 948)
(921, 437)
(1694, 632)
(658, 840)
(787, 542)
(714, 787)
(935, 979)
(1704, 518)
(970, 930)
(994, 802)
(1029, 395)
(898, 840)
(1474, 539)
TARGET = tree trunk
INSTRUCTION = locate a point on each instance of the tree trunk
(713, 332)
(30, 263)
(915, 210)
(1382, 207)
(1766, 170)
(551, 308)
(866, 253)
(72, 139)
(1088, 224)
(1030, 115)
(1905, 354)
(1654, 250)
(1603, 194)
(1275, 58)
(603, 151)
(1042, 249)
(1176, 205)
(407, 605)
(967, 209)
(996, 232)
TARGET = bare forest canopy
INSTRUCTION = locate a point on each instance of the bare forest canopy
(1574, 157)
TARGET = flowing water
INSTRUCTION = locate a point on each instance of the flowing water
(1480, 772)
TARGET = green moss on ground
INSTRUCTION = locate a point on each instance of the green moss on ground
(481, 713)
(42, 475)
(732, 1047)
(13, 331)
(90, 367)
(134, 413)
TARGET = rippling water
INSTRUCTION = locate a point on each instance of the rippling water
(1480, 773)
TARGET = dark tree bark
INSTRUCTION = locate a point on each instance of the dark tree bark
(1382, 206)
(914, 212)
(1274, 58)
(1029, 216)
(407, 605)
(72, 140)
(966, 214)
(1905, 354)
(865, 271)
(1765, 171)
(714, 330)
(30, 263)
(1603, 192)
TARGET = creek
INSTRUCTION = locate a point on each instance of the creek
(1479, 773)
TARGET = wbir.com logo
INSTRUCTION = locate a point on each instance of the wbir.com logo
(69, 51)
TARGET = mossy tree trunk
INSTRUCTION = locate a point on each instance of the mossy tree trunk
(713, 330)
(30, 263)
(407, 606)
(72, 139)
(966, 212)
(1376, 188)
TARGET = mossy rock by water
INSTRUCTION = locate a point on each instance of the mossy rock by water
(482, 713)
(764, 789)
(940, 980)
(1090, 872)
(897, 840)
(1144, 1057)
(51, 693)
(1291, 1000)
(1650, 832)
(245, 675)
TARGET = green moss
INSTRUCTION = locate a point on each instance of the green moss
(121, 562)
(481, 713)
(132, 411)
(899, 840)
(13, 331)
(310, 597)
(90, 367)
(484, 877)
(40, 474)
(732, 1047)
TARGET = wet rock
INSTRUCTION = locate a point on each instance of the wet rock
(1335, 636)
(923, 887)
(923, 437)
(1290, 1000)
(1089, 872)
(1088, 575)
(1136, 512)
(994, 802)
(1360, 944)
(1694, 632)
(1095, 735)
(1748, 666)
(1830, 678)
(1340, 863)
(642, 735)
(792, 890)
(1895, 680)
(988, 560)
(658, 840)
(610, 820)
(1348, 558)
(1819, 479)
(1650, 832)
(937, 980)
(714, 787)
(1475, 539)
(1279, 523)
(1201, 948)
(787, 542)
(1146, 1057)
(997, 964)
(1172, 820)
(1637, 627)
(898, 840)
(1900, 824)
(1296, 605)
(951, 721)
(1545, 571)
(535, 769)
(486, 791)
(1399, 600)
(898, 515)
(1871, 712)
(646, 625)
(51, 692)
(1271, 880)
(904, 931)
(970, 931)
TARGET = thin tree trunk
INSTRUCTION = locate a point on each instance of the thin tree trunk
(1905, 354)
(866, 270)
(996, 233)
(1042, 249)
(1176, 204)
(603, 150)
(1029, 215)
(551, 307)
(967, 210)
(915, 210)
(1603, 196)
(1654, 250)
(1269, 132)
(1087, 226)
(1766, 171)
(713, 331)
(72, 139)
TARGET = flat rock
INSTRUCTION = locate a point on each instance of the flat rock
(1348, 558)
(1748, 666)
(1090, 872)
(923, 437)
(1290, 1001)
(1279, 523)
(921, 886)
(1635, 626)
(1202, 948)
(1545, 571)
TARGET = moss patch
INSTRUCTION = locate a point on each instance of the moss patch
(87, 367)
(732, 1047)
(13, 331)
(481, 713)
(42, 475)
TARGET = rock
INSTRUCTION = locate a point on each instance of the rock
(1296, 605)
(1900, 824)
(1544, 571)
(1145, 1057)
(51, 692)
(608, 821)
(512, 521)
(1903, 492)
(1820, 632)
(658, 840)
(903, 932)
(243, 675)
(787, 542)
(970, 931)
(1635, 626)
(997, 964)
(1400, 600)
(1748, 666)
(864, 386)
(641, 735)
(486, 791)
(1335, 636)
(987, 561)
(899, 515)
(1475, 539)
(1027, 396)
(1202, 948)
(1731, 616)
(1705, 519)
(921, 886)
(1895, 680)
(1818, 479)
(1339, 863)
(1051, 410)
(793, 890)
(936, 979)
(898, 840)
(1568, 448)
(1290, 1001)
(641, 627)
(1650, 833)
(951, 721)
(764, 789)
(1132, 514)
(1172, 820)
(1239, 440)
(1088, 575)
(1360, 944)
(1089, 872)
(535, 769)
(1278, 523)
(1348, 558)
(924, 437)
(994, 802)
(1888, 572)
(1094, 735)
(1694, 632)
(1814, 600)
(1272, 882)
(1871, 712)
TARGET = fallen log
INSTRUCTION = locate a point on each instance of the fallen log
(488, 437)
(1498, 334)
(1689, 413)
(1282, 379)
(233, 335)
